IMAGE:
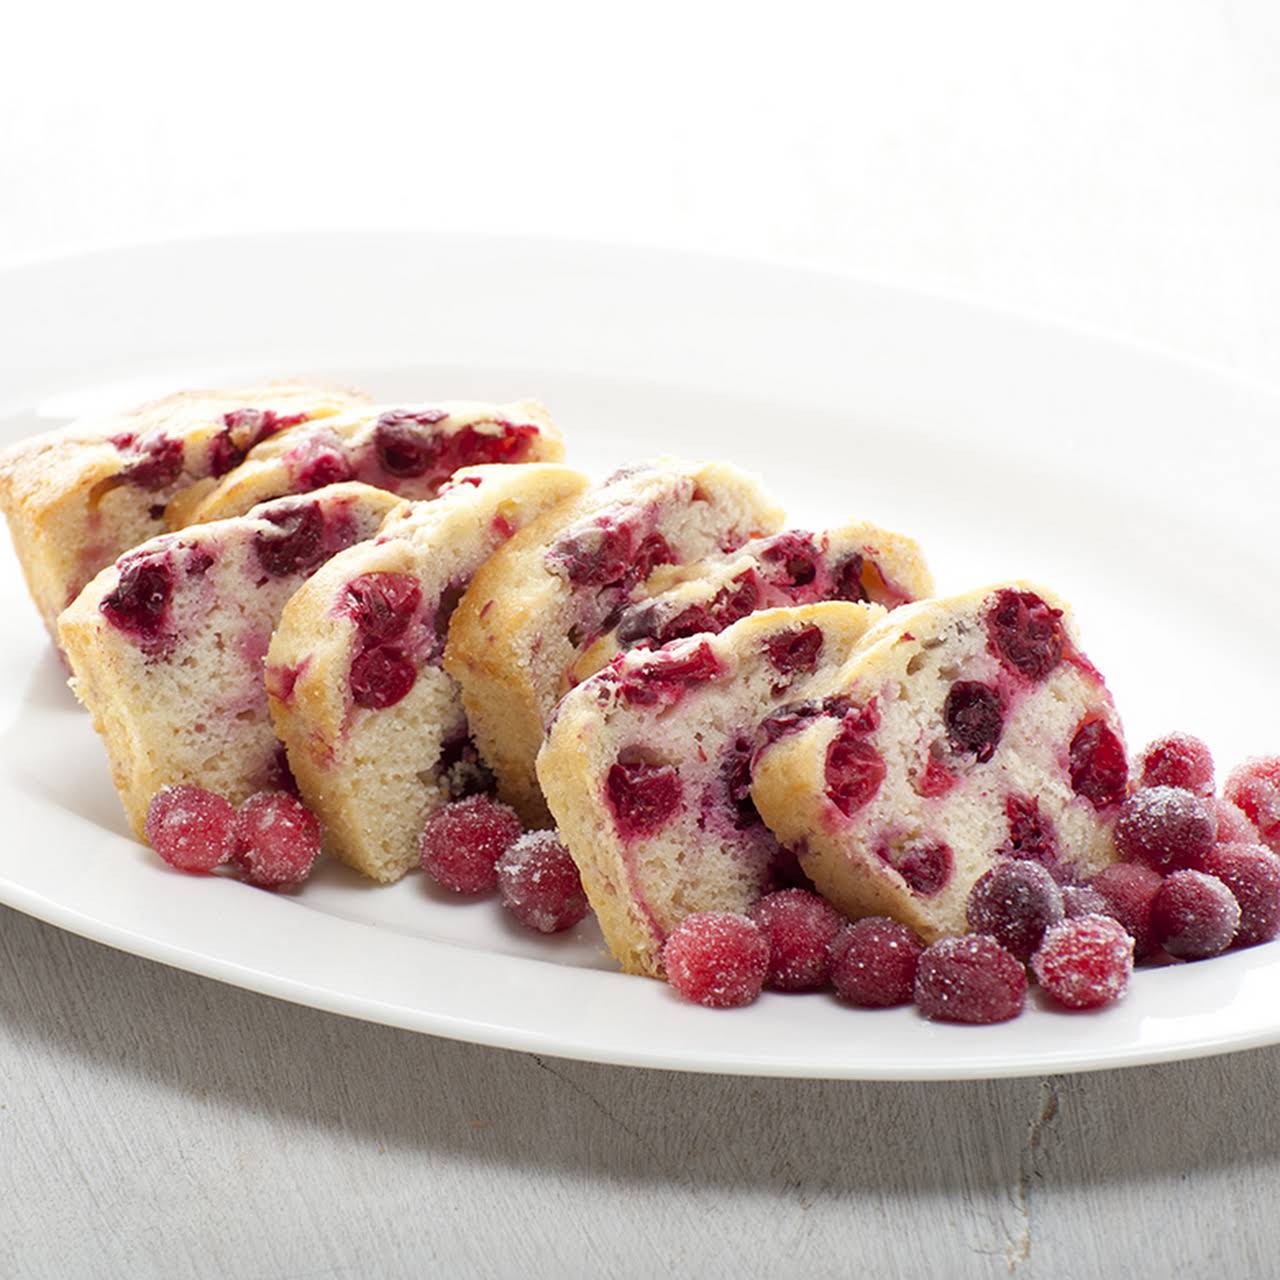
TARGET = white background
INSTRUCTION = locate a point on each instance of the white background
(1115, 165)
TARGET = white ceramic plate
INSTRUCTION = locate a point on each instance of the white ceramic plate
(1140, 487)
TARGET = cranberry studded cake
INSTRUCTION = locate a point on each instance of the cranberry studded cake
(551, 591)
(647, 768)
(963, 729)
(374, 727)
(410, 450)
(859, 563)
(78, 498)
(167, 645)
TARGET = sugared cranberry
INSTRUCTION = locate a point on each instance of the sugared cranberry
(1166, 827)
(1194, 916)
(1083, 900)
(970, 979)
(1015, 902)
(1254, 788)
(1085, 963)
(299, 544)
(1252, 873)
(382, 604)
(277, 839)
(191, 828)
(159, 464)
(462, 842)
(1031, 835)
(716, 958)
(667, 675)
(798, 927)
(539, 883)
(974, 716)
(139, 601)
(381, 676)
(404, 446)
(642, 797)
(1130, 890)
(791, 560)
(848, 584)
(1025, 633)
(1233, 826)
(874, 963)
(924, 864)
(795, 649)
(1177, 760)
(854, 768)
(1099, 770)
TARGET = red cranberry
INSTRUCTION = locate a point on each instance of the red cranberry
(792, 559)
(969, 979)
(462, 842)
(1083, 900)
(594, 557)
(1177, 760)
(471, 447)
(1195, 915)
(1166, 828)
(1085, 963)
(736, 773)
(874, 963)
(936, 780)
(1254, 788)
(854, 768)
(327, 467)
(277, 839)
(735, 601)
(667, 676)
(1130, 890)
(796, 649)
(848, 583)
(158, 465)
(1015, 902)
(924, 864)
(139, 602)
(974, 716)
(1233, 826)
(652, 552)
(403, 447)
(382, 604)
(298, 546)
(1025, 633)
(798, 927)
(1099, 770)
(191, 828)
(1252, 873)
(1031, 835)
(381, 676)
(642, 797)
(539, 883)
(716, 958)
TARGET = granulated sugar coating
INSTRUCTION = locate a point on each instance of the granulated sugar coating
(1177, 760)
(1252, 873)
(1233, 826)
(539, 883)
(798, 927)
(277, 840)
(1195, 916)
(1166, 827)
(1014, 903)
(191, 828)
(874, 963)
(463, 841)
(1254, 788)
(1130, 891)
(970, 979)
(1085, 963)
(1083, 900)
(717, 958)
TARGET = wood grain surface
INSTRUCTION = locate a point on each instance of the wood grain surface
(158, 1124)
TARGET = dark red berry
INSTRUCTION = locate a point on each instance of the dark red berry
(874, 963)
(1252, 873)
(1086, 962)
(404, 443)
(1254, 788)
(1014, 903)
(936, 780)
(299, 544)
(382, 604)
(191, 828)
(1083, 900)
(1031, 835)
(277, 839)
(970, 979)
(139, 602)
(462, 842)
(717, 959)
(790, 560)
(539, 883)
(798, 926)
(1194, 916)
(974, 716)
(1177, 760)
(668, 675)
(1025, 633)
(848, 584)
(597, 556)
(1099, 770)
(736, 774)
(158, 464)
(325, 468)
(924, 864)
(1233, 826)
(854, 768)
(1166, 827)
(1130, 890)
(381, 676)
(642, 797)
(796, 649)
(740, 598)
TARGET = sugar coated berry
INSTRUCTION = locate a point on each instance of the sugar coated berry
(1252, 873)
(1083, 900)
(798, 926)
(1014, 903)
(277, 839)
(1254, 788)
(1177, 760)
(462, 842)
(1194, 916)
(1130, 890)
(191, 828)
(1233, 826)
(539, 883)
(1084, 963)
(874, 963)
(1166, 827)
(717, 958)
(970, 979)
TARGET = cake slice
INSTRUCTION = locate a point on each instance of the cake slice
(551, 591)
(962, 730)
(79, 497)
(167, 644)
(647, 769)
(374, 727)
(410, 450)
